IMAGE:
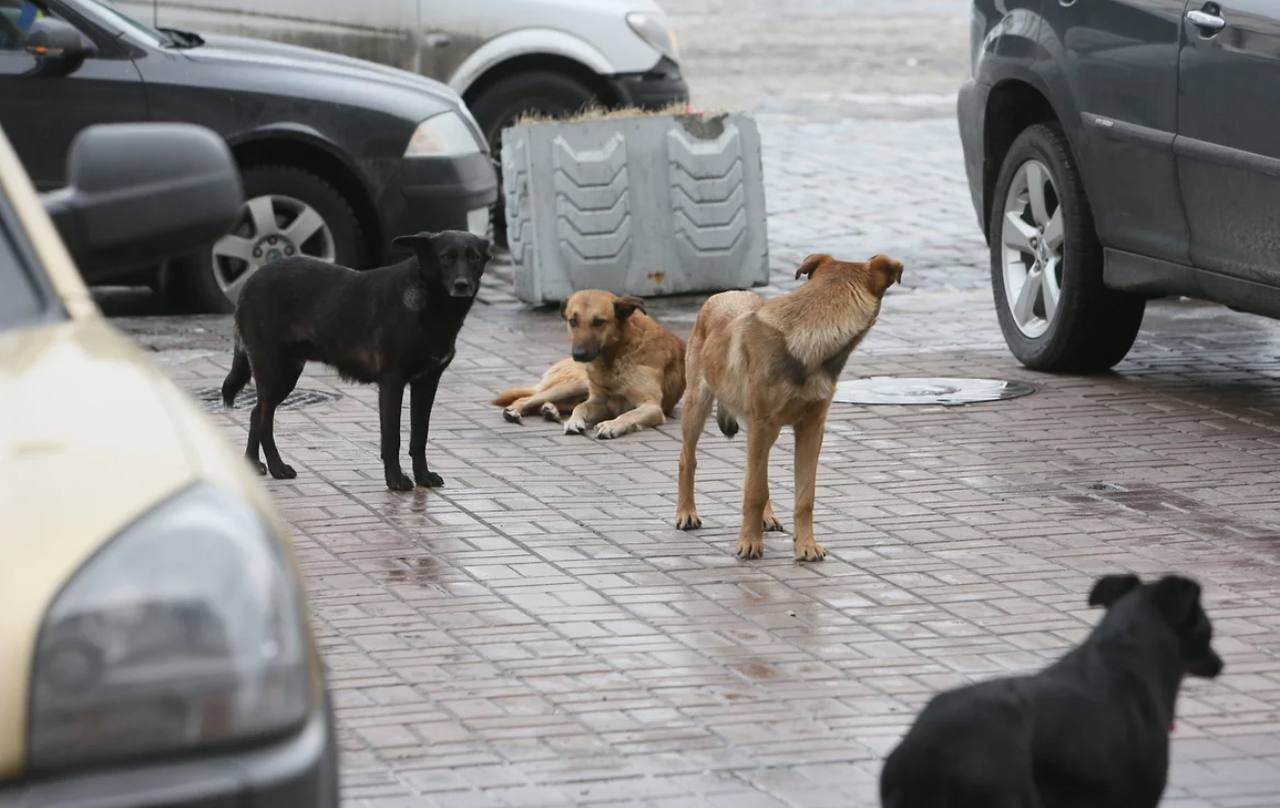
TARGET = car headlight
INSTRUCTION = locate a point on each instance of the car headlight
(186, 630)
(653, 28)
(443, 135)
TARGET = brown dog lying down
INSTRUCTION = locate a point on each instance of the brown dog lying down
(772, 364)
(626, 372)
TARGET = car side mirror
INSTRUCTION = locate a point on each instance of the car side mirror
(59, 47)
(141, 192)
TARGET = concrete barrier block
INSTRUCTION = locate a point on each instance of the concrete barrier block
(647, 205)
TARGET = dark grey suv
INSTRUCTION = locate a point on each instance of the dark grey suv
(1119, 151)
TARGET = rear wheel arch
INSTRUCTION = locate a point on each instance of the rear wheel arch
(1012, 107)
(548, 62)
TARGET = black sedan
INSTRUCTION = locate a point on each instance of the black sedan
(337, 155)
(1119, 151)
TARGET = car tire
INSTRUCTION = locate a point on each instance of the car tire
(210, 279)
(1046, 263)
(542, 92)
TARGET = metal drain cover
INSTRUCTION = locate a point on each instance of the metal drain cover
(948, 392)
(211, 398)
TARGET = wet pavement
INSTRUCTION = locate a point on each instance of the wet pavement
(538, 633)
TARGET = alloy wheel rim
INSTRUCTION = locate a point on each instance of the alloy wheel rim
(267, 229)
(1032, 246)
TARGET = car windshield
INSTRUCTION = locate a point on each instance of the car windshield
(111, 17)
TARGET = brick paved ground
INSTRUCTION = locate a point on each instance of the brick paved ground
(536, 633)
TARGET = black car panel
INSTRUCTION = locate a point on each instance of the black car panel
(1228, 148)
(1111, 67)
(44, 110)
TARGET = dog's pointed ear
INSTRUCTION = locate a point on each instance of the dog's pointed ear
(485, 247)
(1110, 588)
(811, 264)
(624, 307)
(420, 245)
(564, 307)
(1177, 598)
(414, 241)
(888, 269)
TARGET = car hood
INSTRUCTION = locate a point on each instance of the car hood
(263, 53)
(91, 437)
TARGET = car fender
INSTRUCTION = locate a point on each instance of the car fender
(286, 132)
(523, 43)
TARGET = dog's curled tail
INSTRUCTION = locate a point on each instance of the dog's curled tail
(238, 377)
(512, 393)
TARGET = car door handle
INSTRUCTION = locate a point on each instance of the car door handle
(1206, 21)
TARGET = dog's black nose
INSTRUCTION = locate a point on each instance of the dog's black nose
(461, 288)
(581, 355)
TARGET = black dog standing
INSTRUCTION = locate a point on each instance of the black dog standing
(395, 325)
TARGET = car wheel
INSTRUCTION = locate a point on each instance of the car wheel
(288, 212)
(1046, 263)
(536, 92)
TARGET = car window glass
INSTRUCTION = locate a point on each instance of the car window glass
(20, 300)
(16, 17)
(111, 17)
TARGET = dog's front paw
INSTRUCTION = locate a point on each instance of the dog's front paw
(428, 479)
(809, 550)
(575, 426)
(282, 472)
(611, 429)
(551, 412)
(512, 415)
(688, 521)
(399, 482)
(750, 546)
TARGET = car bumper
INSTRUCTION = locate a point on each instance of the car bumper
(434, 193)
(300, 770)
(970, 110)
(657, 88)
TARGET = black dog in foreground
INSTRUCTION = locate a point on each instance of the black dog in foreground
(1090, 731)
(394, 325)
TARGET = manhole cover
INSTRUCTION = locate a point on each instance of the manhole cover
(211, 398)
(946, 391)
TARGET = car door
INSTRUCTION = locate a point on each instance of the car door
(42, 111)
(1228, 144)
(1117, 61)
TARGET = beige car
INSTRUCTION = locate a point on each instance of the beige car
(155, 644)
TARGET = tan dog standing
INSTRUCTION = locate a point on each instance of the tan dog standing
(772, 364)
(627, 367)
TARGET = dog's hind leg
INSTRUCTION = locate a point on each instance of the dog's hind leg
(237, 377)
(552, 401)
(761, 436)
(697, 406)
(251, 448)
(272, 391)
(809, 433)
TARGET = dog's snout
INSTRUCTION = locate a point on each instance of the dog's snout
(582, 354)
(461, 288)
